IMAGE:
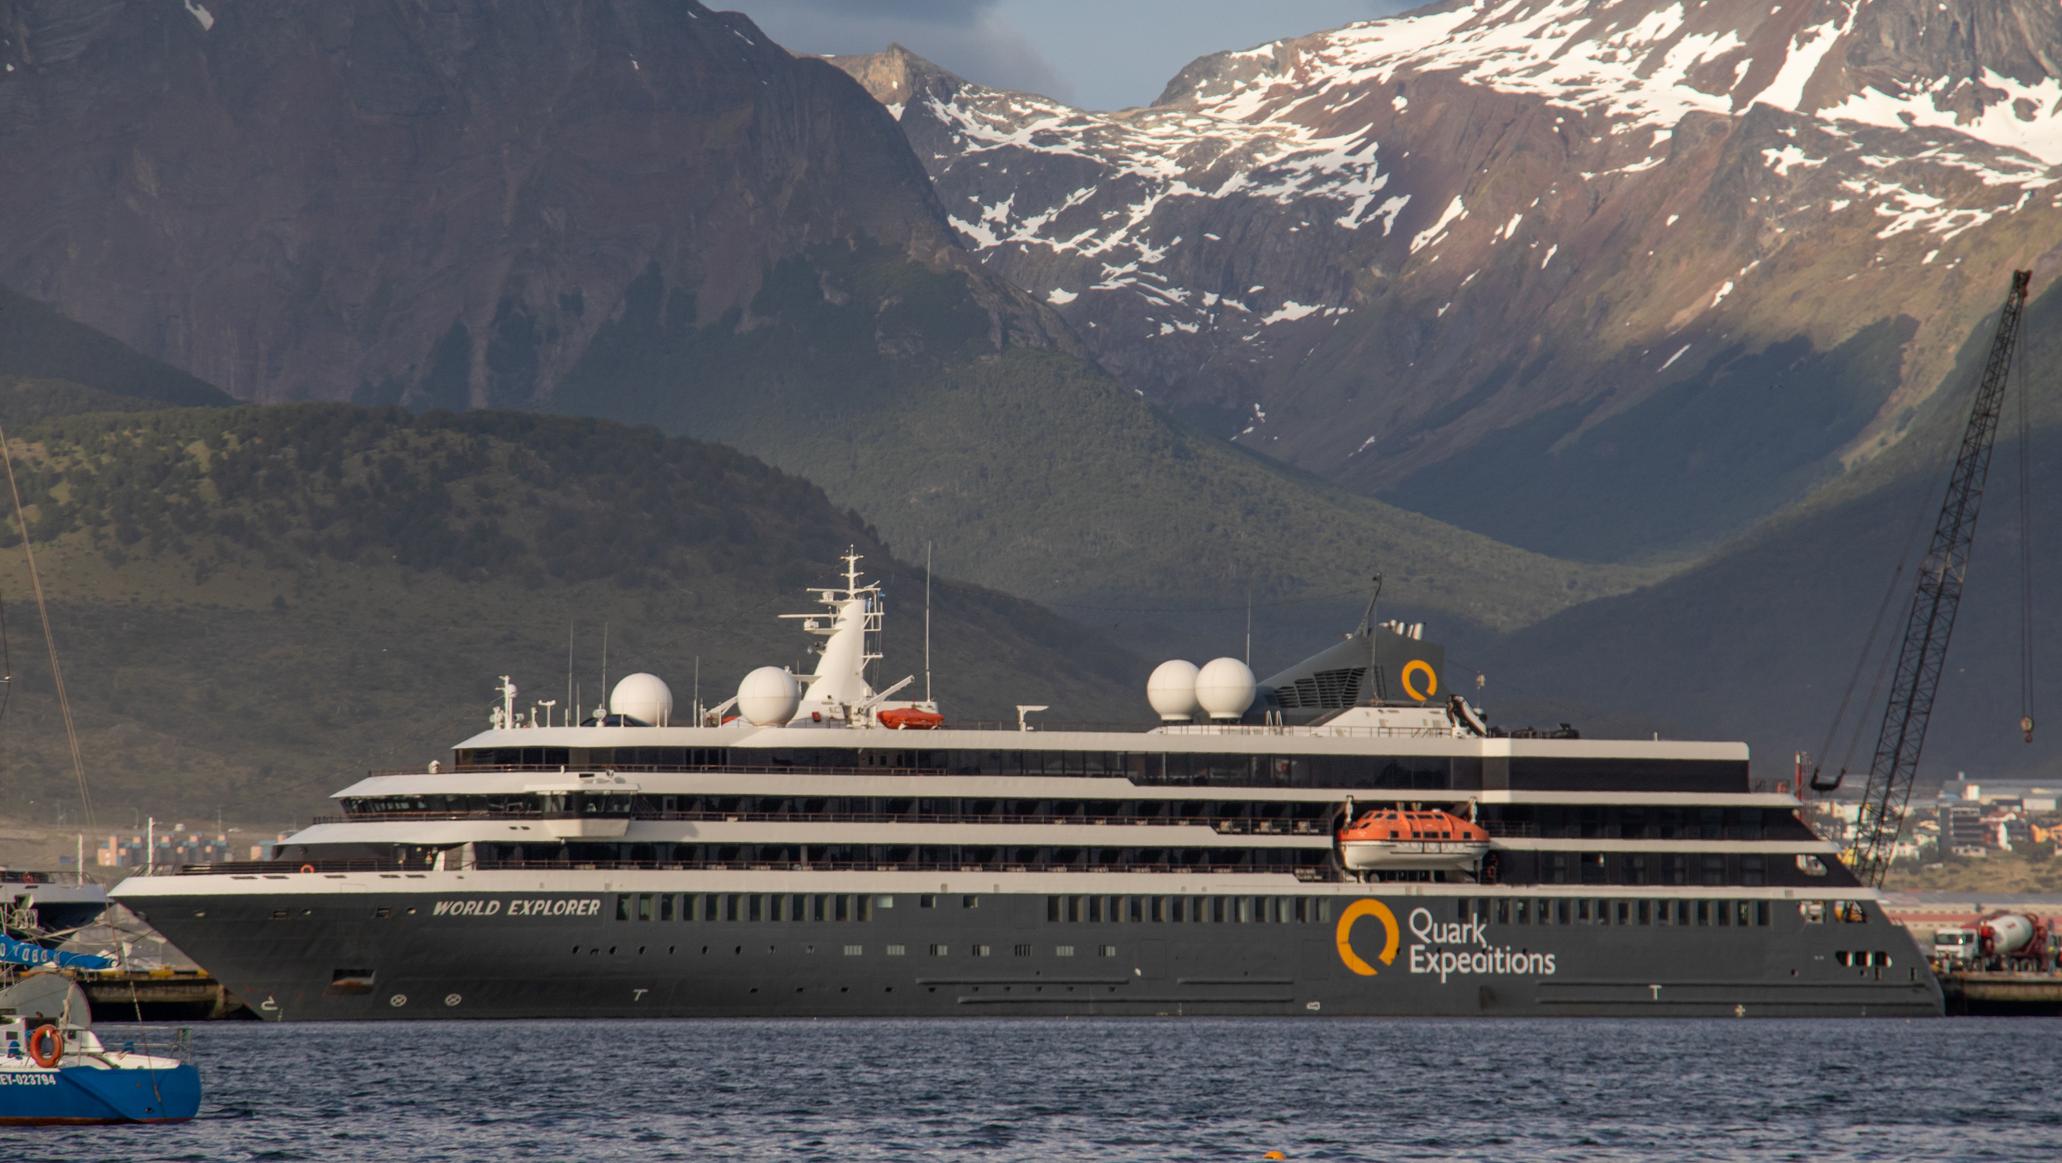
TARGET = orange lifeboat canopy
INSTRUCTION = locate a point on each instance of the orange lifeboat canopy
(910, 719)
(1403, 825)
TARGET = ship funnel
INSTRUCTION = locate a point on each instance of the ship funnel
(1172, 691)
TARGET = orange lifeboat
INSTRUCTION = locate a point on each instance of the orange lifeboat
(910, 719)
(1412, 839)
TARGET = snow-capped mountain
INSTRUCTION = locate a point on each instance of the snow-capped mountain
(1507, 258)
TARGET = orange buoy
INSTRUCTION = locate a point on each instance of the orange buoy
(307, 868)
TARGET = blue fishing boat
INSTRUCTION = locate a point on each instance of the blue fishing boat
(55, 1069)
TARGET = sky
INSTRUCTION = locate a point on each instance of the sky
(1095, 54)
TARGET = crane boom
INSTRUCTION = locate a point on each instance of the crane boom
(1938, 596)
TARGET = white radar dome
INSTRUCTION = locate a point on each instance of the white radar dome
(1172, 690)
(1225, 688)
(643, 697)
(769, 697)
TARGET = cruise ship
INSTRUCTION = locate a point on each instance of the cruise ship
(1347, 837)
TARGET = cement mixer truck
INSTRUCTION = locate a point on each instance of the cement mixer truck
(2003, 941)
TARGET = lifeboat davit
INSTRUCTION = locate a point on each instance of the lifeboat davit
(1411, 839)
(910, 719)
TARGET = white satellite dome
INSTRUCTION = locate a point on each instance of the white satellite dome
(1172, 690)
(643, 697)
(769, 697)
(1225, 688)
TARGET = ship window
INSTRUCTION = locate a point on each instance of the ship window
(841, 908)
(1743, 912)
(1703, 912)
(855, 950)
(1722, 913)
(1159, 909)
(1582, 911)
(970, 902)
(666, 906)
(1561, 911)
(1134, 909)
(1095, 909)
(1761, 913)
(1625, 912)
(1063, 951)
(1813, 912)
(897, 950)
(1021, 950)
(1521, 912)
(755, 907)
(1106, 950)
(884, 902)
(644, 906)
(941, 950)
(1753, 870)
(1502, 912)
(983, 950)
(1052, 909)
(1640, 911)
(623, 906)
(930, 901)
(1714, 868)
(864, 909)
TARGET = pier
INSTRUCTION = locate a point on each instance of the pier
(2021, 994)
(161, 995)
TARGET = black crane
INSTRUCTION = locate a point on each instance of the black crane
(1934, 603)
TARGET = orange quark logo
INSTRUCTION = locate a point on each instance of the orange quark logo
(1392, 934)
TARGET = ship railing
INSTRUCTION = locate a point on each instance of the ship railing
(280, 870)
(1509, 828)
(1220, 824)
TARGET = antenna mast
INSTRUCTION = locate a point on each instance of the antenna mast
(927, 621)
(64, 701)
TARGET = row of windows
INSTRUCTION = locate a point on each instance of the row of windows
(1282, 910)
(958, 857)
(733, 906)
(1602, 821)
(1157, 768)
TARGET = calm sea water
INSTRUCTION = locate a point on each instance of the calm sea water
(1958, 1089)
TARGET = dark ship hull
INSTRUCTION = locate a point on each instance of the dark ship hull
(325, 955)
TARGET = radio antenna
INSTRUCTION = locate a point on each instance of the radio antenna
(1367, 618)
(927, 621)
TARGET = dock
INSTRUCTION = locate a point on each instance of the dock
(2020, 994)
(160, 995)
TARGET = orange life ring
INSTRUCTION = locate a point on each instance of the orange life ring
(307, 868)
(38, 1053)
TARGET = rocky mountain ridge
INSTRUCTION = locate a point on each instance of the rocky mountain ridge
(432, 203)
(1504, 261)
